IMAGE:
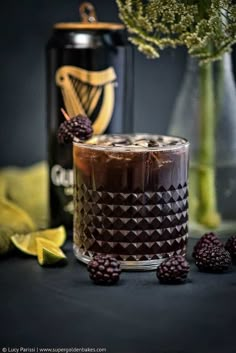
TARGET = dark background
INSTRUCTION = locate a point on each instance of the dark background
(25, 27)
(62, 308)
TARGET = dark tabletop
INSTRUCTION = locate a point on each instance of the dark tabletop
(60, 307)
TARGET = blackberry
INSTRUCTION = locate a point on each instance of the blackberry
(230, 246)
(173, 270)
(104, 269)
(78, 127)
(208, 239)
(213, 259)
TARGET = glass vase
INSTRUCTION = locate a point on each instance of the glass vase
(205, 114)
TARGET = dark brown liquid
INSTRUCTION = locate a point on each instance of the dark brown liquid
(131, 203)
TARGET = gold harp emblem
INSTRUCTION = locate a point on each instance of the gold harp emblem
(88, 92)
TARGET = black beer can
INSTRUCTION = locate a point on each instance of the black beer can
(89, 72)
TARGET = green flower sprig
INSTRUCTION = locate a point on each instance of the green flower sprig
(206, 27)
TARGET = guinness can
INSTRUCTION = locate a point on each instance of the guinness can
(89, 72)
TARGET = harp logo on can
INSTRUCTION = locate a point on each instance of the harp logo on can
(90, 93)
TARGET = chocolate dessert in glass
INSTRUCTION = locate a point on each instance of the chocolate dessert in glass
(130, 198)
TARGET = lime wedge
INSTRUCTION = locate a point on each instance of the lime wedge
(27, 242)
(49, 253)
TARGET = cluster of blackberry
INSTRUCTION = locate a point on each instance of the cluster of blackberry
(210, 255)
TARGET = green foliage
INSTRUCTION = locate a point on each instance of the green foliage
(206, 27)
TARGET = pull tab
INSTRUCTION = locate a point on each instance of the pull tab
(87, 12)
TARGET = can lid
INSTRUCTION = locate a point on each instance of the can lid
(89, 21)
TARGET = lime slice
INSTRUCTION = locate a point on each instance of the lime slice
(27, 243)
(49, 253)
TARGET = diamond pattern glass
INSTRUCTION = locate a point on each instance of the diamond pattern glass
(130, 203)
